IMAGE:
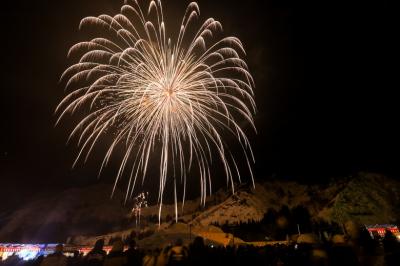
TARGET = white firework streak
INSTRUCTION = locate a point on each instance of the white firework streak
(154, 92)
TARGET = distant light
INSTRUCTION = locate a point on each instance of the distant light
(27, 254)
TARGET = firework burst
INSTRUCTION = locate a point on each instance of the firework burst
(154, 92)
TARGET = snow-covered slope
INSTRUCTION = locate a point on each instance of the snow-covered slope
(368, 198)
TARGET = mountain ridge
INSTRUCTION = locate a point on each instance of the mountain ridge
(367, 198)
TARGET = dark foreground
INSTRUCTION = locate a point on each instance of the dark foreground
(340, 251)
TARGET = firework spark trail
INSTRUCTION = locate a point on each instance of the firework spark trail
(154, 92)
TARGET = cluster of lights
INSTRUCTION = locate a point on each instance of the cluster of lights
(381, 229)
(32, 251)
(25, 251)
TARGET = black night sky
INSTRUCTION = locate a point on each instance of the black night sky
(325, 88)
